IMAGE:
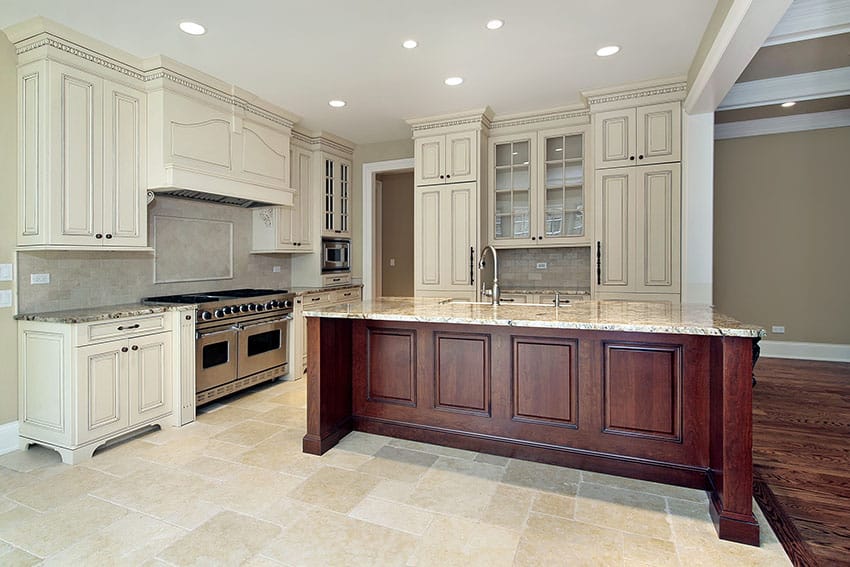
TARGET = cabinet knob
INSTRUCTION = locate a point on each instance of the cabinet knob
(135, 347)
(539, 238)
(98, 236)
(632, 158)
(108, 236)
(124, 349)
(640, 157)
(442, 177)
(448, 176)
(188, 317)
(534, 238)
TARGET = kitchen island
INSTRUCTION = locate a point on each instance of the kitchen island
(654, 391)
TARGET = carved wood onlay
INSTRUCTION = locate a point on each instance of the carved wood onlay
(639, 93)
(477, 122)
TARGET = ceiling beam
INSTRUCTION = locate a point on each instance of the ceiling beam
(810, 19)
(803, 86)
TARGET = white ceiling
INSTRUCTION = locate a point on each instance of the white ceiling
(301, 54)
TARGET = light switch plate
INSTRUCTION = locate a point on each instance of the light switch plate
(5, 272)
(39, 278)
(6, 298)
(276, 269)
(542, 265)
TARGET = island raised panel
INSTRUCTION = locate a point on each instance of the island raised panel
(462, 372)
(391, 367)
(545, 381)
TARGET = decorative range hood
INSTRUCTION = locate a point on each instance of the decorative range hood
(211, 141)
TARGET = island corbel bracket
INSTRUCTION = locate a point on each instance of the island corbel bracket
(731, 440)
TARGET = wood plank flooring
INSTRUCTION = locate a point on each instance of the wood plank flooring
(801, 456)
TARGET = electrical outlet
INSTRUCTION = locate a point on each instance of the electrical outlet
(276, 269)
(6, 298)
(5, 272)
(542, 265)
(392, 262)
(39, 278)
(778, 329)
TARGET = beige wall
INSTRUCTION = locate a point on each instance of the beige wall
(782, 233)
(397, 234)
(368, 153)
(8, 196)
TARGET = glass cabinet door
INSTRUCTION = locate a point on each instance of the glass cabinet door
(343, 197)
(329, 195)
(512, 190)
(563, 191)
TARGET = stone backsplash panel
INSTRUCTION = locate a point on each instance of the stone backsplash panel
(567, 268)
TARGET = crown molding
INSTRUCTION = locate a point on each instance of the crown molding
(676, 86)
(479, 119)
(572, 112)
(809, 19)
(782, 124)
(322, 141)
(803, 86)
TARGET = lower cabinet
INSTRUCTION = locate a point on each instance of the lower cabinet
(78, 391)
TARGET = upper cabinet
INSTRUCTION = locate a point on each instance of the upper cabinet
(538, 189)
(645, 135)
(336, 196)
(449, 158)
(81, 160)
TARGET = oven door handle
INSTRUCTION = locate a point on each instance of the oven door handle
(200, 334)
(242, 327)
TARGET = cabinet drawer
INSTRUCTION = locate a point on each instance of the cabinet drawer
(347, 295)
(117, 328)
(318, 299)
(336, 279)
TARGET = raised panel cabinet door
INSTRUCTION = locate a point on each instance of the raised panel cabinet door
(77, 192)
(614, 230)
(615, 138)
(461, 157)
(32, 147)
(428, 234)
(265, 155)
(302, 163)
(150, 377)
(124, 168)
(102, 390)
(429, 159)
(658, 228)
(659, 133)
(457, 234)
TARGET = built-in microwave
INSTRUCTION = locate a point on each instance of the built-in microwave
(336, 255)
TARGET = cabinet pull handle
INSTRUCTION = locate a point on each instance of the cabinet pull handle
(135, 347)
(507, 299)
(471, 265)
(598, 263)
(315, 299)
(347, 294)
(123, 328)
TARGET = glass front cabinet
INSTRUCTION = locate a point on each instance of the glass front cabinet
(538, 189)
(336, 181)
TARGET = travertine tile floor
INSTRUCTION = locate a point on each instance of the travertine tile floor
(234, 488)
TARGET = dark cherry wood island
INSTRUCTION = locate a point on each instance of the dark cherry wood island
(652, 391)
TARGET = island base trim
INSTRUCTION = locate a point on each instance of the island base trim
(319, 445)
(731, 526)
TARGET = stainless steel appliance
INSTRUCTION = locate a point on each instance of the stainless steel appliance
(241, 338)
(336, 255)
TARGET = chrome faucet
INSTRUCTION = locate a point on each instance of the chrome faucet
(494, 291)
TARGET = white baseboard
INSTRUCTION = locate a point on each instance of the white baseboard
(8, 437)
(805, 351)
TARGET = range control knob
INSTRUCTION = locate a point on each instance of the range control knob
(287, 304)
(218, 313)
(271, 304)
(226, 310)
(251, 306)
(243, 308)
(261, 307)
(205, 316)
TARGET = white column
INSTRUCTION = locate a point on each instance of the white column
(697, 207)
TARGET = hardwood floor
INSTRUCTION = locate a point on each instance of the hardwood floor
(801, 456)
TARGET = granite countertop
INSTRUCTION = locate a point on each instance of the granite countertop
(303, 290)
(632, 316)
(104, 313)
(530, 290)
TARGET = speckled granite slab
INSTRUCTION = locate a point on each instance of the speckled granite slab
(99, 313)
(632, 316)
(531, 291)
(302, 290)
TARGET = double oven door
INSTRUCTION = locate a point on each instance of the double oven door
(237, 350)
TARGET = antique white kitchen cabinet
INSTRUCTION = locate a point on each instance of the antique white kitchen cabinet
(447, 158)
(643, 135)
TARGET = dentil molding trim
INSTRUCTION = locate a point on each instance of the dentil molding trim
(48, 40)
(315, 142)
(538, 118)
(674, 88)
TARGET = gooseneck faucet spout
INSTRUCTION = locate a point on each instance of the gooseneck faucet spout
(494, 292)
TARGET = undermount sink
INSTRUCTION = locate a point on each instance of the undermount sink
(564, 303)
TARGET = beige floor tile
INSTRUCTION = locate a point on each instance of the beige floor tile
(393, 490)
(344, 541)
(554, 505)
(459, 487)
(365, 443)
(459, 541)
(285, 511)
(548, 540)
(626, 510)
(509, 507)
(642, 551)
(226, 539)
(33, 458)
(213, 468)
(46, 533)
(398, 464)
(539, 476)
(196, 429)
(13, 557)
(119, 460)
(173, 495)
(59, 487)
(132, 540)
(295, 398)
(393, 515)
(434, 449)
(251, 488)
(287, 416)
(261, 561)
(224, 450)
(282, 452)
(492, 459)
(225, 416)
(248, 433)
(6, 504)
(667, 490)
(344, 459)
(335, 489)
(12, 480)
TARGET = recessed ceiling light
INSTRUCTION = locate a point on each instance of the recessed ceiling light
(337, 103)
(192, 28)
(409, 43)
(453, 81)
(788, 104)
(495, 24)
(607, 50)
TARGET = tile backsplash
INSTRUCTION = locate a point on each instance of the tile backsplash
(566, 268)
(93, 278)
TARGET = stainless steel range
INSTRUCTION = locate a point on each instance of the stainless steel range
(241, 338)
